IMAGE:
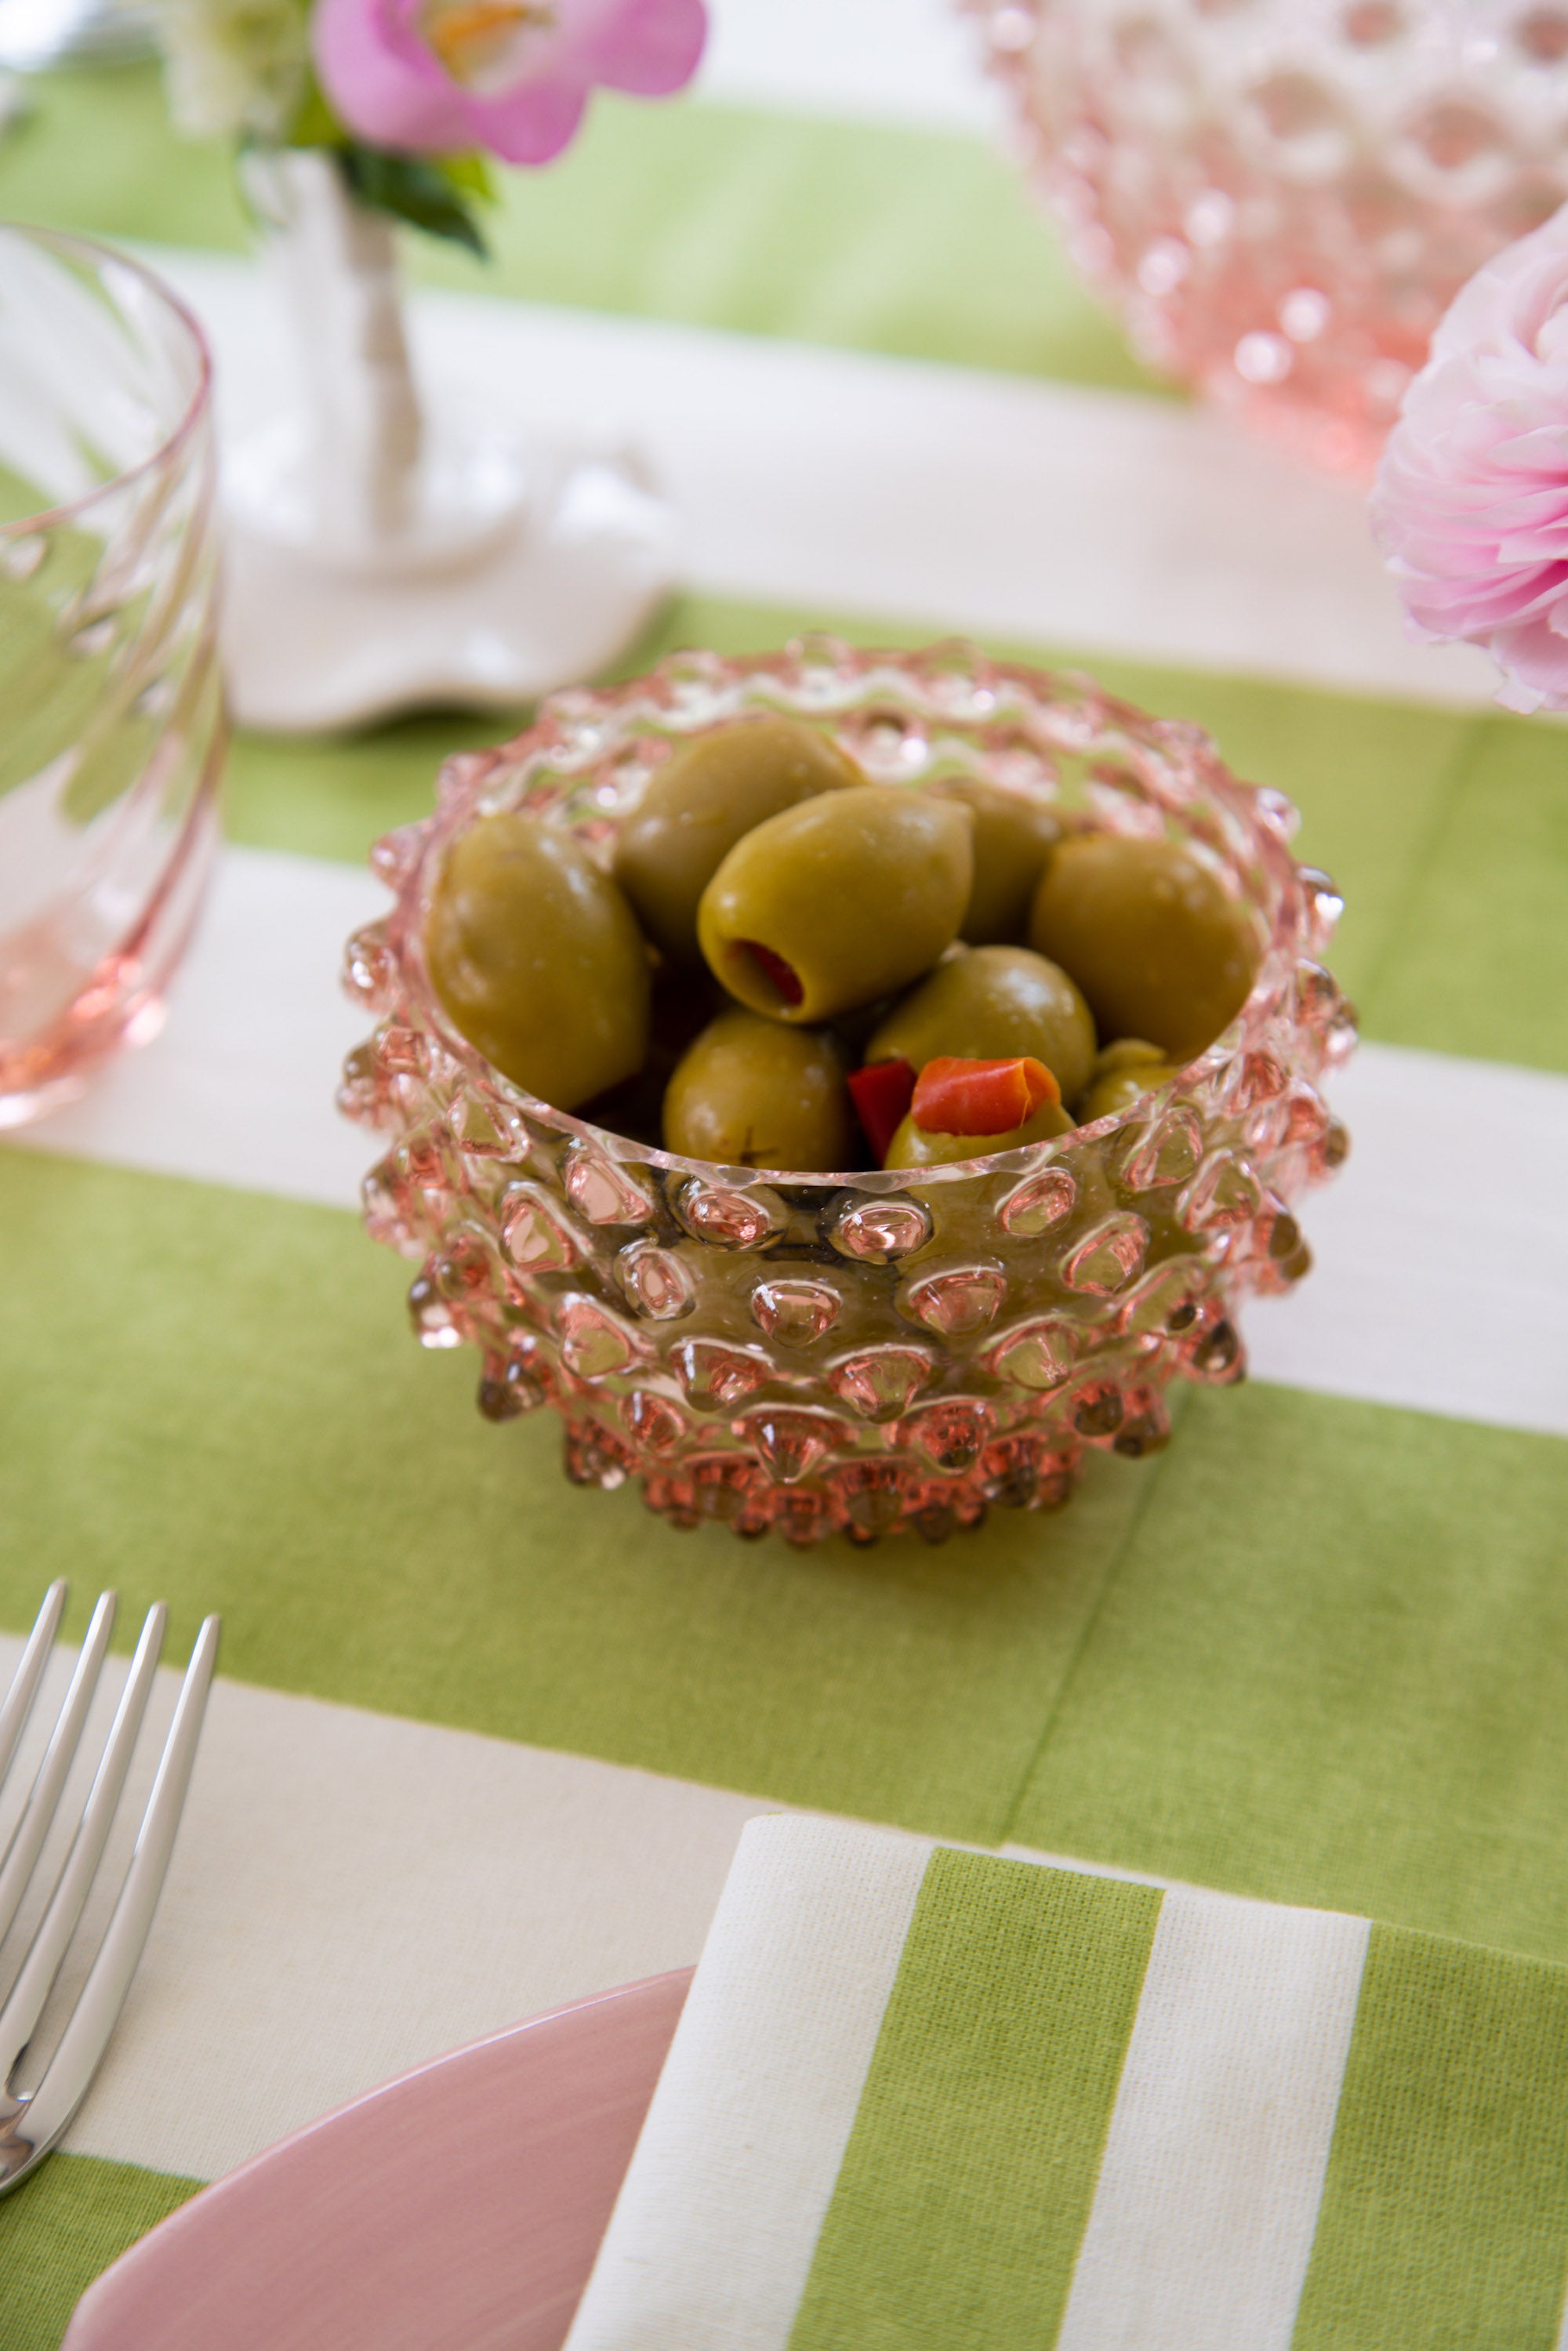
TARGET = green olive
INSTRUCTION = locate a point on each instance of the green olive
(1118, 1089)
(538, 959)
(1124, 1069)
(990, 1004)
(1013, 841)
(1150, 935)
(709, 791)
(833, 904)
(911, 1146)
(1125, 1053)
(753, 1094)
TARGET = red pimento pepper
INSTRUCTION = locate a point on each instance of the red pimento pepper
(773, 968)
(957, 1097)
(881, 1094)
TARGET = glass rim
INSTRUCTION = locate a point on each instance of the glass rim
(95, 251)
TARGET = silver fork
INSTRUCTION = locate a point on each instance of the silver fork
(31, 2122)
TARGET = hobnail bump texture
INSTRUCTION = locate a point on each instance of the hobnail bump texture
(863, 1351)
(1281, 197)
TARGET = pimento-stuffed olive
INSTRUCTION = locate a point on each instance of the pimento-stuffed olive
(708, 792)
(538, 959)
(1148, 932)
(837, 902)
(963, 1108)
(915, 1146)
(752, 1093)
(986, 1004)
(1014, 837)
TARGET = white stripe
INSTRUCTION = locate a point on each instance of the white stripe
(351, 1894)
(239, 1087)
(937, 498)
(711, 2243)
(1441, 1257)
(1441, 1252)
(902, 61)
(1202, 2223)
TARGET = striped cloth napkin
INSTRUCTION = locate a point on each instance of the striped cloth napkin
(923, 2097)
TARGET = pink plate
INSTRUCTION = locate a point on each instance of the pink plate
(458, 2209)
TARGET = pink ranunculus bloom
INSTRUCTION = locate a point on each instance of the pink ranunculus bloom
(432, 77)
(1470, 506)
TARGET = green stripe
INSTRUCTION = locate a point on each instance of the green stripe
(216, 1399)
(859, 234)
(1444, 2224)
(1317, 1651)
(64, 2226)
(1333, 1670)
(968, 2176)
(1478, 962)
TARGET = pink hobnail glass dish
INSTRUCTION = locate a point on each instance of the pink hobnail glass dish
(861, 1352)
(1281, 197)
(114, 730)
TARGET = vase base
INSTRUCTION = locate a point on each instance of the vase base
(469, 492)
(550, 603)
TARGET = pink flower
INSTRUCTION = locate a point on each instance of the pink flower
(432, 77)
(1470, 506)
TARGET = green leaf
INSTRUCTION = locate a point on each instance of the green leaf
(314, 123)
(413, 190)
(471, 175)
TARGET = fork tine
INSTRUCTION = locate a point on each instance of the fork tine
(27, 1837)
(24, 1682)
(81, 2046)
(31, 1990)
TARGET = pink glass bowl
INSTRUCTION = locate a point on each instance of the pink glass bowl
(860, 1352)
(1281, 197)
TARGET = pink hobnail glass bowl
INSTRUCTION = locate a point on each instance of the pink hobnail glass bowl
(860, 1352)
(1281, 197)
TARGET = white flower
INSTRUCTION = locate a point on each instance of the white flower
(234, 68)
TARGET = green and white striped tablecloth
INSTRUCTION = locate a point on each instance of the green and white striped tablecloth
(484, 1742)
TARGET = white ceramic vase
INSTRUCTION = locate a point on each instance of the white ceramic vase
(384, 553)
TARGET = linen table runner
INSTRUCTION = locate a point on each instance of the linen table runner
(930, 2098)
